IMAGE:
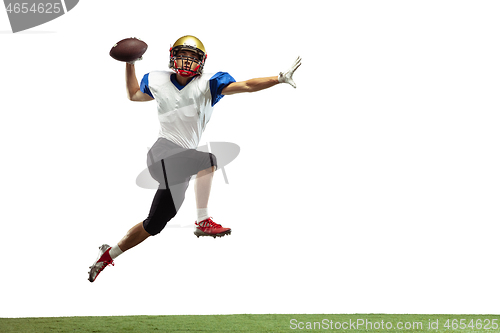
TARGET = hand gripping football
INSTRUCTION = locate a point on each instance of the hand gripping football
(128, 49)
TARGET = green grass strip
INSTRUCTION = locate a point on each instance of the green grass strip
(352, 323)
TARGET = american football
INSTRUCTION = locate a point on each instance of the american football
(128, 49)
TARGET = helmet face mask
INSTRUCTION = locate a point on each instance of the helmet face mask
(185, 64)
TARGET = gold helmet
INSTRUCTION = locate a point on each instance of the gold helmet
(190, 43)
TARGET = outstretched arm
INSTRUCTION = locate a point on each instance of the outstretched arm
(134, 92)
(253, 85)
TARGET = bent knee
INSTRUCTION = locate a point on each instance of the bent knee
(155, 224)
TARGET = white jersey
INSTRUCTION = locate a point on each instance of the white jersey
(184, 111)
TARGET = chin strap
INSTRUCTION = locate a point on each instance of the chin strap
(184, 73)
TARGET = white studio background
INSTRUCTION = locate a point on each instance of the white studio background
(371, 188)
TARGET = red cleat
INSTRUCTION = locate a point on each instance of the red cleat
(103, 260)
(210, 228)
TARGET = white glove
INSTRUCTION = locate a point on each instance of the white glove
(287, 76)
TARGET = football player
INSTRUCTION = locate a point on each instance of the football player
(185, 99)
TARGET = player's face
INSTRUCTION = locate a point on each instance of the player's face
(187, 60)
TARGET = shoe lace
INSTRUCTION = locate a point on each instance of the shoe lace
(209, 223)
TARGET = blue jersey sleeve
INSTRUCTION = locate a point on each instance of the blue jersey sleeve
(218, 82)
(145, 85)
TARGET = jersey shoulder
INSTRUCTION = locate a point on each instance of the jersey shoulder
(160, 75)
(203, 81)
(213, 75)
(205, 77)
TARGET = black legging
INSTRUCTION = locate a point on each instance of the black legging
(173, 173)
